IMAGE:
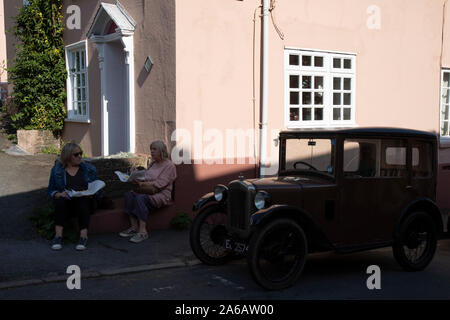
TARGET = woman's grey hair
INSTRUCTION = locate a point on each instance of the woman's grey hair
(161, 146)
(67, 151)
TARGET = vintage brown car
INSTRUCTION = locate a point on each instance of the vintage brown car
(336, 190)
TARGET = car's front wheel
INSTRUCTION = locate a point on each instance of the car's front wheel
(277, 254)
(207, 236)
(416, 243)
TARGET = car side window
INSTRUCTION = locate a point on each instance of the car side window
(361, 157)
(393, 158)
(422, 159)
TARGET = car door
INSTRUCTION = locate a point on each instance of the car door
(358, 192)
(394, 190)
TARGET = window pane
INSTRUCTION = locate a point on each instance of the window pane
(415, 157)
(445, 110)
(347, 99)
(306, 98)
(78, 61)
(78, 94)
(336, 63)
(347, 63)
(444, 128)
(396, 156)
(306, 60)
(306, 114)
(445, 96)
(337, 83)
(73, 64)
(83, 94)
(83, 60)
(316, 152)
(318, 114)
(78, 80)
(293, 114)
(83, 79)
(422, 160)
(446, 79)
(336, 99)
(306, 82)
(294, 98)
(318, 98)
(347, 113)
(336, 113)
(293, 60)
(293, 82)
(318, 82)
(79, 108)
(318, 61)
(84, 109)
(347, 83)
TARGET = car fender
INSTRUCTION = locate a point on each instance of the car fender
(200, 203)
(424, 204)
(305, 220)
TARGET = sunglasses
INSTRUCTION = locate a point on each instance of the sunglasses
(78, 154)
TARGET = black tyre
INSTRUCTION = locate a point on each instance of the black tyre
(207, 236)
(417, 241)
(277, 254)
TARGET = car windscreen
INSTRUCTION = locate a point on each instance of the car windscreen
(308, 154)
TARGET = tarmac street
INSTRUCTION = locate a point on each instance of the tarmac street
(164, 267)
(326, 276)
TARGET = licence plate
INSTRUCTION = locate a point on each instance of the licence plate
(236, 246)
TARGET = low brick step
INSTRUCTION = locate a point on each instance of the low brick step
(116, 220)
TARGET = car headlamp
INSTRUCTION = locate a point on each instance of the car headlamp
(262, 200)
(220, 192)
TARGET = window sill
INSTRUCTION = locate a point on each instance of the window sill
(444, 142)
(78, 120)
(324, 126)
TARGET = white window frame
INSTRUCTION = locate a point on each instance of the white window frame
(327, 71)
(72, 110)
(444, 138)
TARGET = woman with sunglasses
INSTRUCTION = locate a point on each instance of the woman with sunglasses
(71, 173)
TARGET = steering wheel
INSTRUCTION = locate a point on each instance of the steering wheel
(306, 164)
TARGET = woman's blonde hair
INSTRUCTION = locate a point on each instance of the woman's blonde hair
(67, 151)
(161, 146)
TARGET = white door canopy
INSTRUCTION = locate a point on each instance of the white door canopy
(111, 15)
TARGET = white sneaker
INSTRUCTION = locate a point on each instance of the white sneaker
(128, 233)
(139, 237)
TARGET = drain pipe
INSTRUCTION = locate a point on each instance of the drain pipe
(265, 89)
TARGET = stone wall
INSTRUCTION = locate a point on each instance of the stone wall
(33, 141)
(105, 171)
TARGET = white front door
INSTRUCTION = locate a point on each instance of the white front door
(117, 111)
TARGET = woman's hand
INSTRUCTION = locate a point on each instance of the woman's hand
(61, 195)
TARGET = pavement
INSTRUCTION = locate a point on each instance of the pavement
(27, 259)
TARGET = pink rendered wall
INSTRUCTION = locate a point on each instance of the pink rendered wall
(397, 71)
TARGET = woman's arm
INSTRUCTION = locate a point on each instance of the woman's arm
(146, 187)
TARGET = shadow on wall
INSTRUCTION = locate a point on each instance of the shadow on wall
(17, 208)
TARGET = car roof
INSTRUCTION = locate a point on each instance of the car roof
(363, 131)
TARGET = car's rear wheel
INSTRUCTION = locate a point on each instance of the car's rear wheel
(277, 254)
(416, 244)
(207, 236)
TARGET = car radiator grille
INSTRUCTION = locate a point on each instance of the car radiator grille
(239, 205)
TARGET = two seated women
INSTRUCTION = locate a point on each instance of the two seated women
(71, 173)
